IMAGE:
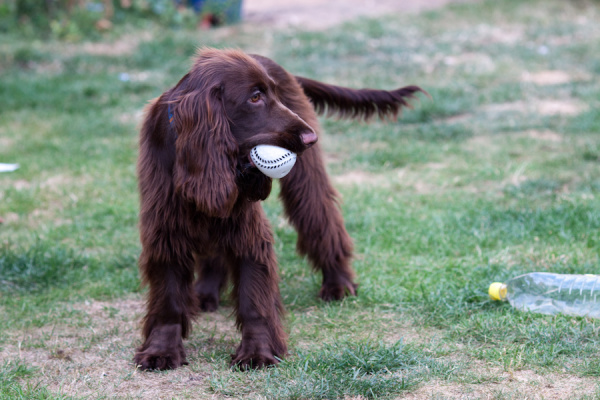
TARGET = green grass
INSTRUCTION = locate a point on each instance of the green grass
(476, 184)
(355, 369)
(10, 388)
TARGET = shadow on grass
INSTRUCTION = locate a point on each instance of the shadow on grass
(45, 266)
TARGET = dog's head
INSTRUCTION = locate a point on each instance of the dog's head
(221, 109)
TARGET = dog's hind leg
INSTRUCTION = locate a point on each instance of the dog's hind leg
(211, 278)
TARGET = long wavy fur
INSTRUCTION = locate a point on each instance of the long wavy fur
(332, 100)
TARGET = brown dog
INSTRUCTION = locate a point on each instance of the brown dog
(200, 212)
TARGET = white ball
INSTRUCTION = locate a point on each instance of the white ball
(273, 161)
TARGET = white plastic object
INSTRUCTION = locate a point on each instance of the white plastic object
(273, 161)
(8, 167)
(548, 293)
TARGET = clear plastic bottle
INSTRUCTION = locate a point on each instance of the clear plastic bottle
(548, 293)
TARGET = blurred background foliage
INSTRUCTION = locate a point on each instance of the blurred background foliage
(76, 20)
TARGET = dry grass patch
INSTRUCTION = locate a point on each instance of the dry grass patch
(361, 178)
(568, 107)
(52, 193)
(473, 62)
(313, 327)
(435, 178)
(491, 144)
(422, 179)
(506, 34)
(126, 45)
(57, 183)
(513, 385)
(548, 136)
(560, 107)
(546, 77)
(89, 352)
(6, 143)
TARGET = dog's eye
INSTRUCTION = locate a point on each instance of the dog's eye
(256, 97)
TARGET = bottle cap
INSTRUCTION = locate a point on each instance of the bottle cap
(497, 291)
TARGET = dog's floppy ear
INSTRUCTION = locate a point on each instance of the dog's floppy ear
(206, 152)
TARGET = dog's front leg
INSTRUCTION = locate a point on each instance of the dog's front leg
(171, 305)
(259, 308)
(311, 204)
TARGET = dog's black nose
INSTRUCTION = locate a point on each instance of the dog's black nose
(309, 138)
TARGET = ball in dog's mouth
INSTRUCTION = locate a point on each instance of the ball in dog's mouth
(273, 161)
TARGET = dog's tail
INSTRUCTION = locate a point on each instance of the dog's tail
(344, 102)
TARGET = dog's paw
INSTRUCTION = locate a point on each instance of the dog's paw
(246, 361)
(147, 360)
(337, 290)
(208, 303)
(162, 350)
(253, 354)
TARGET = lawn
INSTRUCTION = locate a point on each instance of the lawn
(496, 174)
